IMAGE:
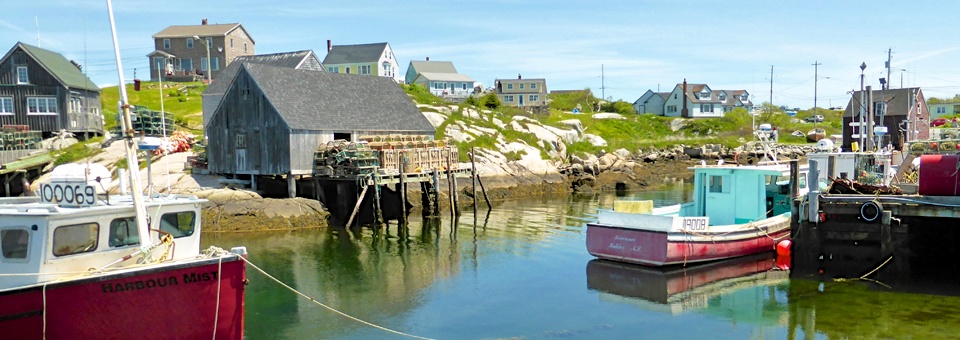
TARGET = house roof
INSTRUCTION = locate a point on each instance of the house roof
(283, 59)
(521, 80)
(433, 66)
(444, 77)
(347, 54)
(58, 66)
(899, 101)
(340, 102)
(160, 53)
(187, 31)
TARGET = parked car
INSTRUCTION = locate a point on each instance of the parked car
(938, 121)
(817, 118)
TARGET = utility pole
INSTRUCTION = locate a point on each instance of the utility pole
(771, 88)
(816, 64)
(889, 57)
(863, 66)
(603, 93)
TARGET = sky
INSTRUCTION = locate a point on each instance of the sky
(618, 49)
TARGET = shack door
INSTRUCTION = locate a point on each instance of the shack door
(718, 199)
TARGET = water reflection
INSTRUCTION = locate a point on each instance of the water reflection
(518, 271)
(708, 287)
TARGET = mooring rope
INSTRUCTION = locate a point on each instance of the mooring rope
(305, 296)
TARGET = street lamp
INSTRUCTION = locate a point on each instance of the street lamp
(161, 68)
(209, 70)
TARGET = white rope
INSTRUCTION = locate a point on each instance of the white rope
(216, 314)
(328, 307)
(45, 310)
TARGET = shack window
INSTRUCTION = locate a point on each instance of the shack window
(178, 224)
(716, 184)
(123, 232)
(22, 75)
(75, 239)
(14, 243)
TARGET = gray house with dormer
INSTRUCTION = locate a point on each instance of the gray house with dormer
(272, 119)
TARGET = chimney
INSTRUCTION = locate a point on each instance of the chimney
(428, 58)
(204, 21)
(329, 45)
(519, 77)
(685, 113)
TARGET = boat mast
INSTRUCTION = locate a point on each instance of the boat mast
(133, 165)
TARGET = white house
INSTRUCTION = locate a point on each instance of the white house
(693, 101)
(651, 102)
(440, 77)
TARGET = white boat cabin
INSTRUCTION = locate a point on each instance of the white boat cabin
(741, 194)
(51, 241)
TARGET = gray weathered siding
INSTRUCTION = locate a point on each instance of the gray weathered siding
(246, 112)
(43, 84)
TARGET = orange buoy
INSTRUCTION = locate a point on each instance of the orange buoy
(783, 247)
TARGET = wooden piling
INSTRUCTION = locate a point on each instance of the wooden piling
(450, 186)
(402, 187)
(473, 177)
(378, 213)
(357, 206)
(484, 191)
(435, 193)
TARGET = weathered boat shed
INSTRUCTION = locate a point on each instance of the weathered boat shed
(271, 119)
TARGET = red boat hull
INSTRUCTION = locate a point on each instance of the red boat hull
(170, 302)
(652, 248)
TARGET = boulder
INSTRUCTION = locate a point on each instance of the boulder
(594, 140)
(622, 153)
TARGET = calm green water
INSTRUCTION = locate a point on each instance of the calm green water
(523, 272)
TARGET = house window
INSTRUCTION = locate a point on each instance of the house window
(186, 64)
(671, 108)
(464, 86)
(364, 69)
(190, 43)
(210, 42)
(508, 99)
(438, 86)
(244, 47)
(214, 63)
(6, 105)
(41, 105)
(123, 232)
(178, 224)
(347, 70)
(533, 86)
(75, 239)
(744, 97)
(22, 75)
(521, 86)
(334, 69)
(158, 63)
(509, 86)
(941, 110)
(706, 108)
(674, 96)
(166, 44)
(387, 70)
(534, 98)
(705, 95)
(15, 243)
(722, 97)
(231, 42)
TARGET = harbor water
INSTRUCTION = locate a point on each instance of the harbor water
(522, 271)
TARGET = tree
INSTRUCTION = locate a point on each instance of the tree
(490, 100)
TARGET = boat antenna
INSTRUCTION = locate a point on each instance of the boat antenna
(131, 148)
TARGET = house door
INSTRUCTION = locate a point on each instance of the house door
(521, 100)
(242, 160)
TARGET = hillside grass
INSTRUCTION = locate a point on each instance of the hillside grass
(180, 99)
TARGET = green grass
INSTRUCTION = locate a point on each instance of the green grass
(76, 152)
(181, 99)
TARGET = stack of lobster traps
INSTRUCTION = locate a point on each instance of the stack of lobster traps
(385, 155)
